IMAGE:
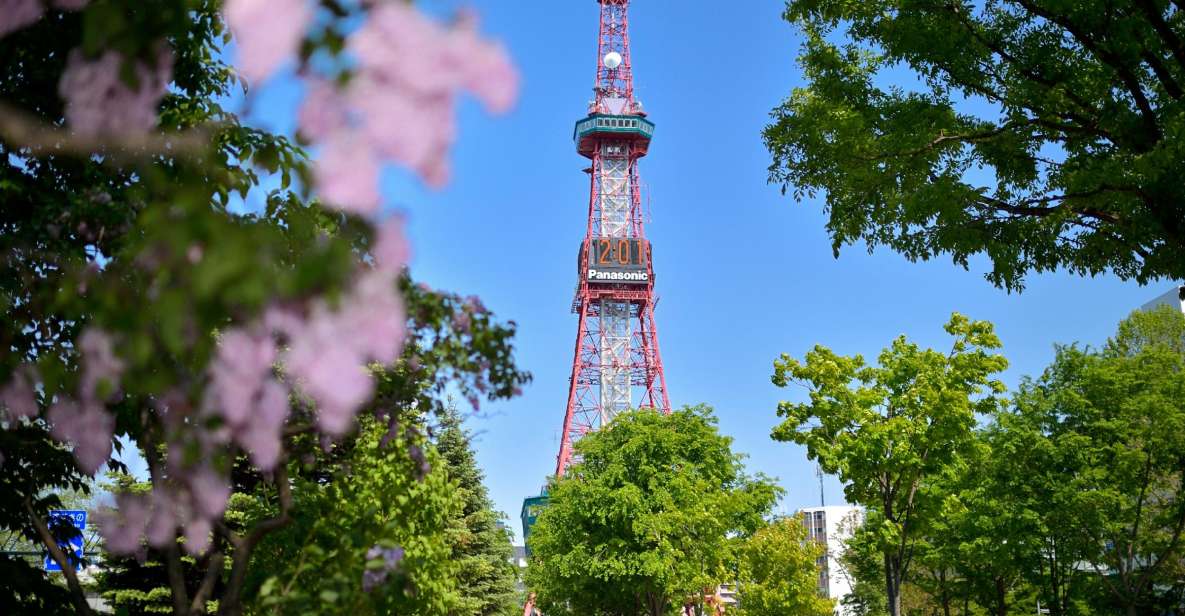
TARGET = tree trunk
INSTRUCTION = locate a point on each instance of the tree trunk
(1001, 597)
(945, 593)
(893, 584)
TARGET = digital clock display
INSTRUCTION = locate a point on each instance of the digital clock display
(618, 260)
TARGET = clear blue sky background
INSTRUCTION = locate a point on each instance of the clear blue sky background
(507, 229)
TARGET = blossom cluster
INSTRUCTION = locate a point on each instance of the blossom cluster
(399, 106)
(16, 14)
(324, 352)
(98, 99)
(100, 102)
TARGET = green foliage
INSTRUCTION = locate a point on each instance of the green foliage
(316, 564)
(888, 429)
(481, 548)
(641, 524)
(1071, 497)
(1113, 419)
(779, 573)
(1040, 134)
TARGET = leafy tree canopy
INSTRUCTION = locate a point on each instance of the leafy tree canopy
(641, 524)
(888, 429)
(1043, 134)
(779, 572)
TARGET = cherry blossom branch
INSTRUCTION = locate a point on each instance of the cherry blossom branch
(23, 130)
(244, 546)
(55, 552)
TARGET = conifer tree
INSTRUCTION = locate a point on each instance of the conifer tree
(481, 546)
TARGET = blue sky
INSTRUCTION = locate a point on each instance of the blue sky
(708, 74)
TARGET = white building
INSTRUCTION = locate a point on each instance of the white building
(832, 526)
(1174, 297)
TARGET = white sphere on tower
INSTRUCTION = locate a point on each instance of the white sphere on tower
(612, 60)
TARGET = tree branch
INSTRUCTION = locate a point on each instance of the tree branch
(55, 552)
(20, 129)
(244, 546)
(1122, 70)
(213, 572)
(1162, 28)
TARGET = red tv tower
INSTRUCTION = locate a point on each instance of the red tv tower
(616, 364)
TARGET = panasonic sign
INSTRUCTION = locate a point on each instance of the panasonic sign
(627, 277)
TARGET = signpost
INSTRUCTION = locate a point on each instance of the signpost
(77, 519)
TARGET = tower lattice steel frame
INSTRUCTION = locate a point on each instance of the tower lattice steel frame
(616, 363)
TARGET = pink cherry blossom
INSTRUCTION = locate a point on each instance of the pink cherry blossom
(161, 529)
(485, 66)
(70, 5)
(347, 174)
(262, 436)
(99, 363)
(98, 102)
(400, 105)
(323, 111)
(16, 14)
(268, 33)
(244, 360)
(88, 427)
(18, 398)
(372, 320)
(391, 249)
(123, 527)
(210, 492)
(197, 535)
(330, 372)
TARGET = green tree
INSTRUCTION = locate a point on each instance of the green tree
(481, 548)
(1041, 134)
(641, 524)
(386, 492)
(1115, 419)
(888, 429)
(779, 572)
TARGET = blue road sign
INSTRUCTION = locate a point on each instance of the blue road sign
(76, 519)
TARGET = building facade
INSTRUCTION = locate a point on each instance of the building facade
(1174, 297)
(832, 527)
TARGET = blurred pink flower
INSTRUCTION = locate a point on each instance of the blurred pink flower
(485, 66)
(162, 524)
(99, 363)
(88, 427)
(197, 535)
(372, 319)
(323, 112)
(330, 371)
(391, 249)
(18, 398)
(267, 32)
(347, 174)
(98, 102)
(261, 437)
(123, 527)
(71, 5)
(209, 490)
(16, 14)
(400, 105)
(243, 361)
